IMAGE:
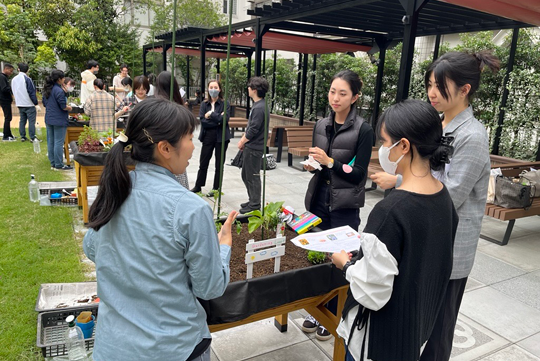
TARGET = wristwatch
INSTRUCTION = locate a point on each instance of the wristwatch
(331, 163)
(345, 266)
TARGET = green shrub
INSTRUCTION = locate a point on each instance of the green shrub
(316, 257)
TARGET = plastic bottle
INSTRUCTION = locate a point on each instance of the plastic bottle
(38, 130)
(75, 341)
(37, 147)
(33, 189)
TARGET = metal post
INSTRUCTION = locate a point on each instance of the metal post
(173, 52)
(410, 22)
(187, 75)
(313, 78)
(437, 46)
(383, 45)
(274, 82)
(303, 94)
(164, 55)
(249, 77)
(509, 68)
(203, 62)
(144, 60)
(259, 30)
(298, 80)
(217, 67)
(264, 62)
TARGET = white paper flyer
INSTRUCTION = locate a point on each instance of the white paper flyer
(329, 241)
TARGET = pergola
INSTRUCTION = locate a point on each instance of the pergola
(358, 25)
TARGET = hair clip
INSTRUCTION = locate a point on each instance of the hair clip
(445, 140)
(122, 138)
(148, 136)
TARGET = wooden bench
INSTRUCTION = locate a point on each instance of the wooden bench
(278, 137)
(511, 214)
(237, 123)
(299, 140)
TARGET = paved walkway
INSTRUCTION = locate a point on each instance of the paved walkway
(500, 313)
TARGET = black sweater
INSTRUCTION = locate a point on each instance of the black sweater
(255, 126)
(216, 119)
(5, 90)
(419, 231)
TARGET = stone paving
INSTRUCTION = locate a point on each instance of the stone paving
(500, 314)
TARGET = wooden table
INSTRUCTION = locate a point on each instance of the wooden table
(88, 176)
(314, 305)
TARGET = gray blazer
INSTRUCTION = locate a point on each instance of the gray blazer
(466, 178)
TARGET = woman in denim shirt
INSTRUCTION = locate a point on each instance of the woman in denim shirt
(154, 244)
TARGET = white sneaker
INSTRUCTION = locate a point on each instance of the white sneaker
(310, 324)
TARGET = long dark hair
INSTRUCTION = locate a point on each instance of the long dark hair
(163, 87)
(51, 80)
(354, 81)
(418, 122)
(150, 122)
(461, 68)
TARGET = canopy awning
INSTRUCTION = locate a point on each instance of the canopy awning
(273, 40)
(526, 11)
(195, 52)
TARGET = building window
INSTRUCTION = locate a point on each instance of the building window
(226, 6)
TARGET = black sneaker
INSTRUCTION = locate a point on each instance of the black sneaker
(195, 190)
(24, 139)
(323, 334)
(310, 324)
(244, 205)
(36, 138)
(8, 139)
(65, 167)
(248, 209)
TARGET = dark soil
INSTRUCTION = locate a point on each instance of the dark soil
(294, 258)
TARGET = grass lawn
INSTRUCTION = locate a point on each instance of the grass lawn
(37, 245)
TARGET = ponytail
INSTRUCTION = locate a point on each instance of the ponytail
(150, 122)
(50, 80)
(461, 69)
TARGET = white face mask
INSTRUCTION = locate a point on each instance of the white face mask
(384, 159)
(70, 89)
(213, 93)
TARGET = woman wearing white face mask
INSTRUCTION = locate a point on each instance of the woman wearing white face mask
(212, 115)
(409, 233)
(451, 81)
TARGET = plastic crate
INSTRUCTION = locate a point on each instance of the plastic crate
(65, 201)
(51, 327)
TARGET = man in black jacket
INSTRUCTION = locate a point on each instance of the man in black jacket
(6, 98)
(252, 143)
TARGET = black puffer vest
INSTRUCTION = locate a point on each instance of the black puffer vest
(342, 148)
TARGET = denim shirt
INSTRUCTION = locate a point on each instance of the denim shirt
(158, 253)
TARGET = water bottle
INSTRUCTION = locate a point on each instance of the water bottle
(75, 341)
(37, 147)
(33, 189)
(38, 130)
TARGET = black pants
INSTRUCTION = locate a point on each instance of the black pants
(210, 145)
(6, 108)
(439, 345)
(341, 217)
(251, 168)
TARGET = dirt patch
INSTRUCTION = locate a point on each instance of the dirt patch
(294, 258)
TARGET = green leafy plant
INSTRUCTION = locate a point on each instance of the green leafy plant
(89, 141)
(217, 221)
(316, 257)
(268, 221)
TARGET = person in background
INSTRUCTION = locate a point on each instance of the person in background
(212, 116)
(151, 81)
(100, 108)
(199, 98)
(56, 118)
(252, 145)
(127, 84)
(154, 244)
(451, 82)
(141, 87)
(119, 89)
(69, 85)
(342, 144)
(163, 90)
(6, 98)
(24, 92)
(398, 280)
(87, 80)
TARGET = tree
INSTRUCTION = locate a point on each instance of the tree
(17, 39)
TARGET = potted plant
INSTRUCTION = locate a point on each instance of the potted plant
(268, 219)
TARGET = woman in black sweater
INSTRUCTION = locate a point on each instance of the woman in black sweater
(212, 115)
(399, 279)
